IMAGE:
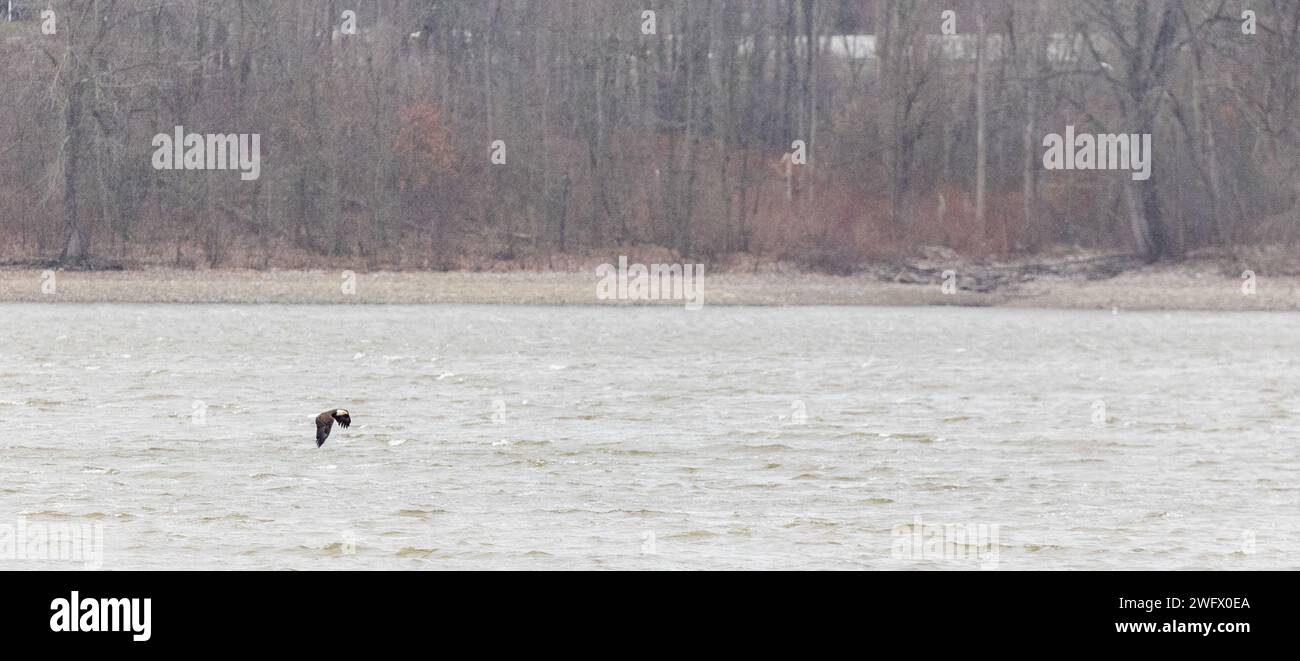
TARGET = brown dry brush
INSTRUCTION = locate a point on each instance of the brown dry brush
(376, 145)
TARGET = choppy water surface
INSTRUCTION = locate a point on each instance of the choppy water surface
(545, 437)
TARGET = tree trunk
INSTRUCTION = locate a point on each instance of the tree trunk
(74, 246)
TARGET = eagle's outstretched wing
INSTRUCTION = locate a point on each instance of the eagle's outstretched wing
(323, 425)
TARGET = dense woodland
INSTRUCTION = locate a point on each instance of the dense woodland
(376, 145)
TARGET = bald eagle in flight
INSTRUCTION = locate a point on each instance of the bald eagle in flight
(325, 422)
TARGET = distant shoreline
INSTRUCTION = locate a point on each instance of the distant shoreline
(1151, 288)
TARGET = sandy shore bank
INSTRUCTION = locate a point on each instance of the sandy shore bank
(1157, 288)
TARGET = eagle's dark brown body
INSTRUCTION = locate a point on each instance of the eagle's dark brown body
(325, 422)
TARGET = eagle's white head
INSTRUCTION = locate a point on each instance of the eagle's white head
(341, 412)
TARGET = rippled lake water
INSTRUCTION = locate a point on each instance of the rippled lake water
(562, 437)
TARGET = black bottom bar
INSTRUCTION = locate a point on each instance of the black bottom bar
(940, 610)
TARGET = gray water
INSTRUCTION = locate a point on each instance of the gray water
(554, 437)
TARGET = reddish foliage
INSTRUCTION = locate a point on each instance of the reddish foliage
(423, 146)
